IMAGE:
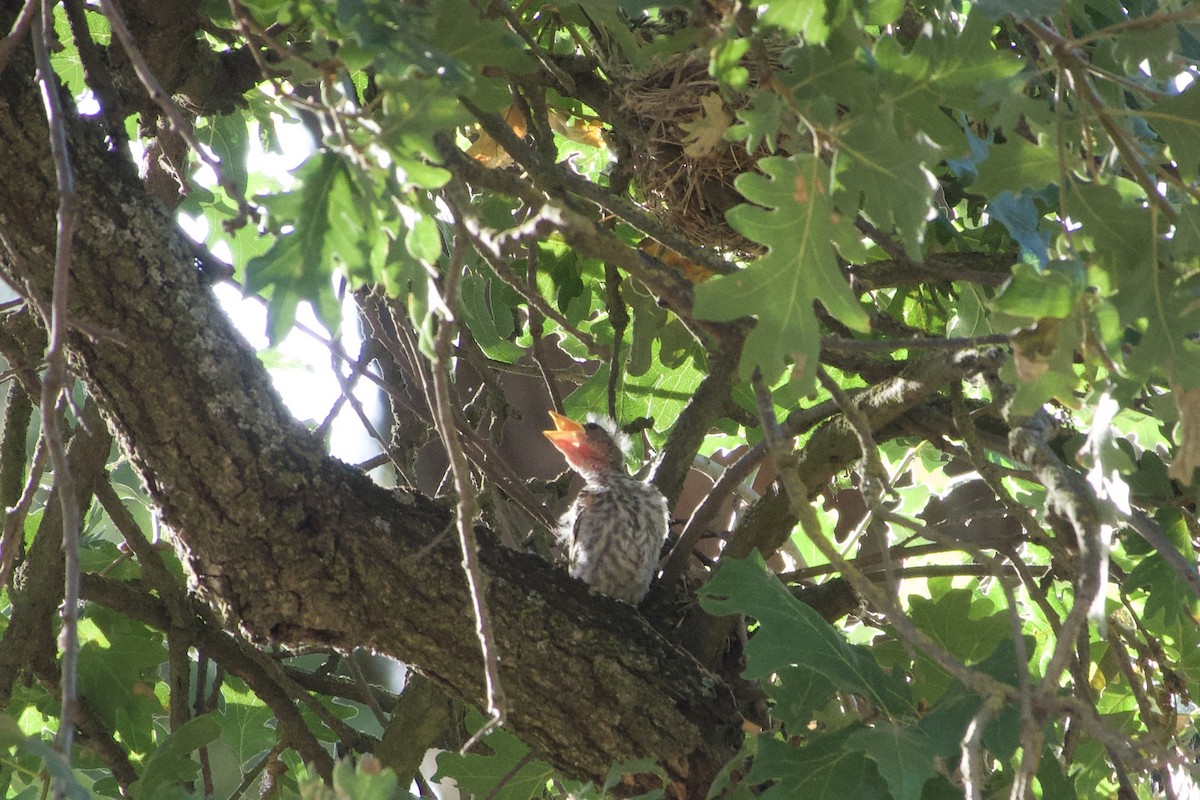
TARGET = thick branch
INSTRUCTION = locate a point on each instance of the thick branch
(300, 548)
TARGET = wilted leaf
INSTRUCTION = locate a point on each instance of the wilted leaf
(706, 132)
(488, 151)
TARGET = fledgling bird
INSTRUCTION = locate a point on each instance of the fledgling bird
(615, 529)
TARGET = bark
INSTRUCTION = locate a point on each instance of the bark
(295, 547)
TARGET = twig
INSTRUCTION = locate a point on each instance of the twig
(170, 108)
(55, 382)
(566, 84)
(477, 449)
(95, 71)
(18, 30)
(1137, 23)
(618, 317)
(492, 251)
(990, 689)
(1149, 530)
(368, 694)
(508, 776)
(14, 518)
(536, 326)
(552, 177)
(1074, 62)
(892, 345)
(676, 562)
(468, 507)
(251, 775)
(974, 769)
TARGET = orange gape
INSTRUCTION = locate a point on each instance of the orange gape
(616, 527)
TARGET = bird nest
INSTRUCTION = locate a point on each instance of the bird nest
(682, 165)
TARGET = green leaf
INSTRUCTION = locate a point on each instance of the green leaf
(463, 33)
(1019, 9)
(826, 768)
(414, 111)
(725, 63)
(171, 761)
(424, 241)
(808, 18)
(229, 138)
(60, 771)
(886, 175)
(480, 774)
(118, 667)
(903, 756)
(490, 323)
(1033, 293)
(800, 267)
(1016, 165)
(1166, 310)
(358, 782)
(10, 732)
(791, 634)
(298, 266)
(1177, 120)
(1115, 227)
(946, 723)
(244, 724)
(952, 68)
(1169, 594)
(1186, 243)
(761, 121)
(965, 625)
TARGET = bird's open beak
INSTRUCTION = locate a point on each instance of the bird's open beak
(567, 435)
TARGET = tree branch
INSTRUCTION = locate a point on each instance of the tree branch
(300, 548)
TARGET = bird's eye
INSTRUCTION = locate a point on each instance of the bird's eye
(591, 427)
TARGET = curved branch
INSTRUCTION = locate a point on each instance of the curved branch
(300, 548)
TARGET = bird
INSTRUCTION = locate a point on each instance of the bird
(616, 526)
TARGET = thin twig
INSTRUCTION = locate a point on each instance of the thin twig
(251, 775)
(468, 507)
(892, 345)
(693, 530)
(14, 519)
(986, 686)
(55, 383)
(1140, 23)
(974, 768)
(618, 317)
(492, 251)
(536, 326)
(18, 30)
(170, 108)
(368, 694)
(508, 776)
(1154, 535)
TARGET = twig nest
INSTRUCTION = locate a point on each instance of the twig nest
(683, 166)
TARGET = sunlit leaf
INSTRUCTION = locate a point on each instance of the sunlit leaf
(800, 266)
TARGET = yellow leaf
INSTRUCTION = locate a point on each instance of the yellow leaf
(1187, 459)
(578, 130)
(706, 131)
(487, 151)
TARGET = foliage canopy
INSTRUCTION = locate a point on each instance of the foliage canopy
(916, 284)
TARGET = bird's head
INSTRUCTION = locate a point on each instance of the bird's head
(591, 448)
